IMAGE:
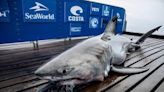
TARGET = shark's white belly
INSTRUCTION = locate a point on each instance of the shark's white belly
(119, 49)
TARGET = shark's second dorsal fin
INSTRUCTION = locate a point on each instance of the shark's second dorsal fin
(110, 29)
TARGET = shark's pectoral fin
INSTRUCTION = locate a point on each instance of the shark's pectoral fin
(146, 35)
(128, 70)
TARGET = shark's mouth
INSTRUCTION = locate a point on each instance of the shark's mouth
(63, 80)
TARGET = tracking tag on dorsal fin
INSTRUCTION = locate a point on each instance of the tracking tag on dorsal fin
(110, 29)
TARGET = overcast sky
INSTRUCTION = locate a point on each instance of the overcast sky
(142, 15)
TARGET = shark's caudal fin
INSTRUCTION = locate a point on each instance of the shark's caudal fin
(143, 37)
(110, 28)
(128, 70)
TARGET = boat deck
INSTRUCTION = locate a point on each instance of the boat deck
(17, 66)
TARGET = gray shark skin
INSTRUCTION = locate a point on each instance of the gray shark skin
(92, 59)
(80, 63)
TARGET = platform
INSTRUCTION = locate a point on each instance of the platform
(17, 66)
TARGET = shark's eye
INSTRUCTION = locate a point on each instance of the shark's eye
(64, 70)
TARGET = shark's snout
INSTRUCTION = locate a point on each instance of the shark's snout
(41, 72)
(38, 73)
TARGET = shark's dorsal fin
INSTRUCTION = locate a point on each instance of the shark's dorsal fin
(110, 29)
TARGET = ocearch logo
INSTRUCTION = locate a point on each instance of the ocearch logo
(38, 8)
(76, 11)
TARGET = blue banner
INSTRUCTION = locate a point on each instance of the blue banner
(55, 19)
(39, 10)
(4, 11)
(75, 12)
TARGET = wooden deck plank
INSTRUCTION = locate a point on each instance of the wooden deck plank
(16, 81)
(147, 60)
(150, 82)
(143, 56)
(22, 86)
(14, 76)
(144, 50)
(30, 54)
(24, 63)
(19, 73)
(34, 53)
(23, 67)
(160, 87)
(34, 89)
(49, 45)
(151, 44)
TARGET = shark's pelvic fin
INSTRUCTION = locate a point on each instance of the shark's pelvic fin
(128, 70)
(110, 29)
(146, 35)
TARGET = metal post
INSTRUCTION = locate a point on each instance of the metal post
(69, 38)
(35, 45)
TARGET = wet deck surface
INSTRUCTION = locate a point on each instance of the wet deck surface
(17, 66)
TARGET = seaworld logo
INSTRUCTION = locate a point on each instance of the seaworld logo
(39, 16)
(39, 10)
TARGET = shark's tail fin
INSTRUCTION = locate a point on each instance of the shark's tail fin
(143, 37)
(110, 28)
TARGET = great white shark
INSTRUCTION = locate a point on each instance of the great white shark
(93, 58)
